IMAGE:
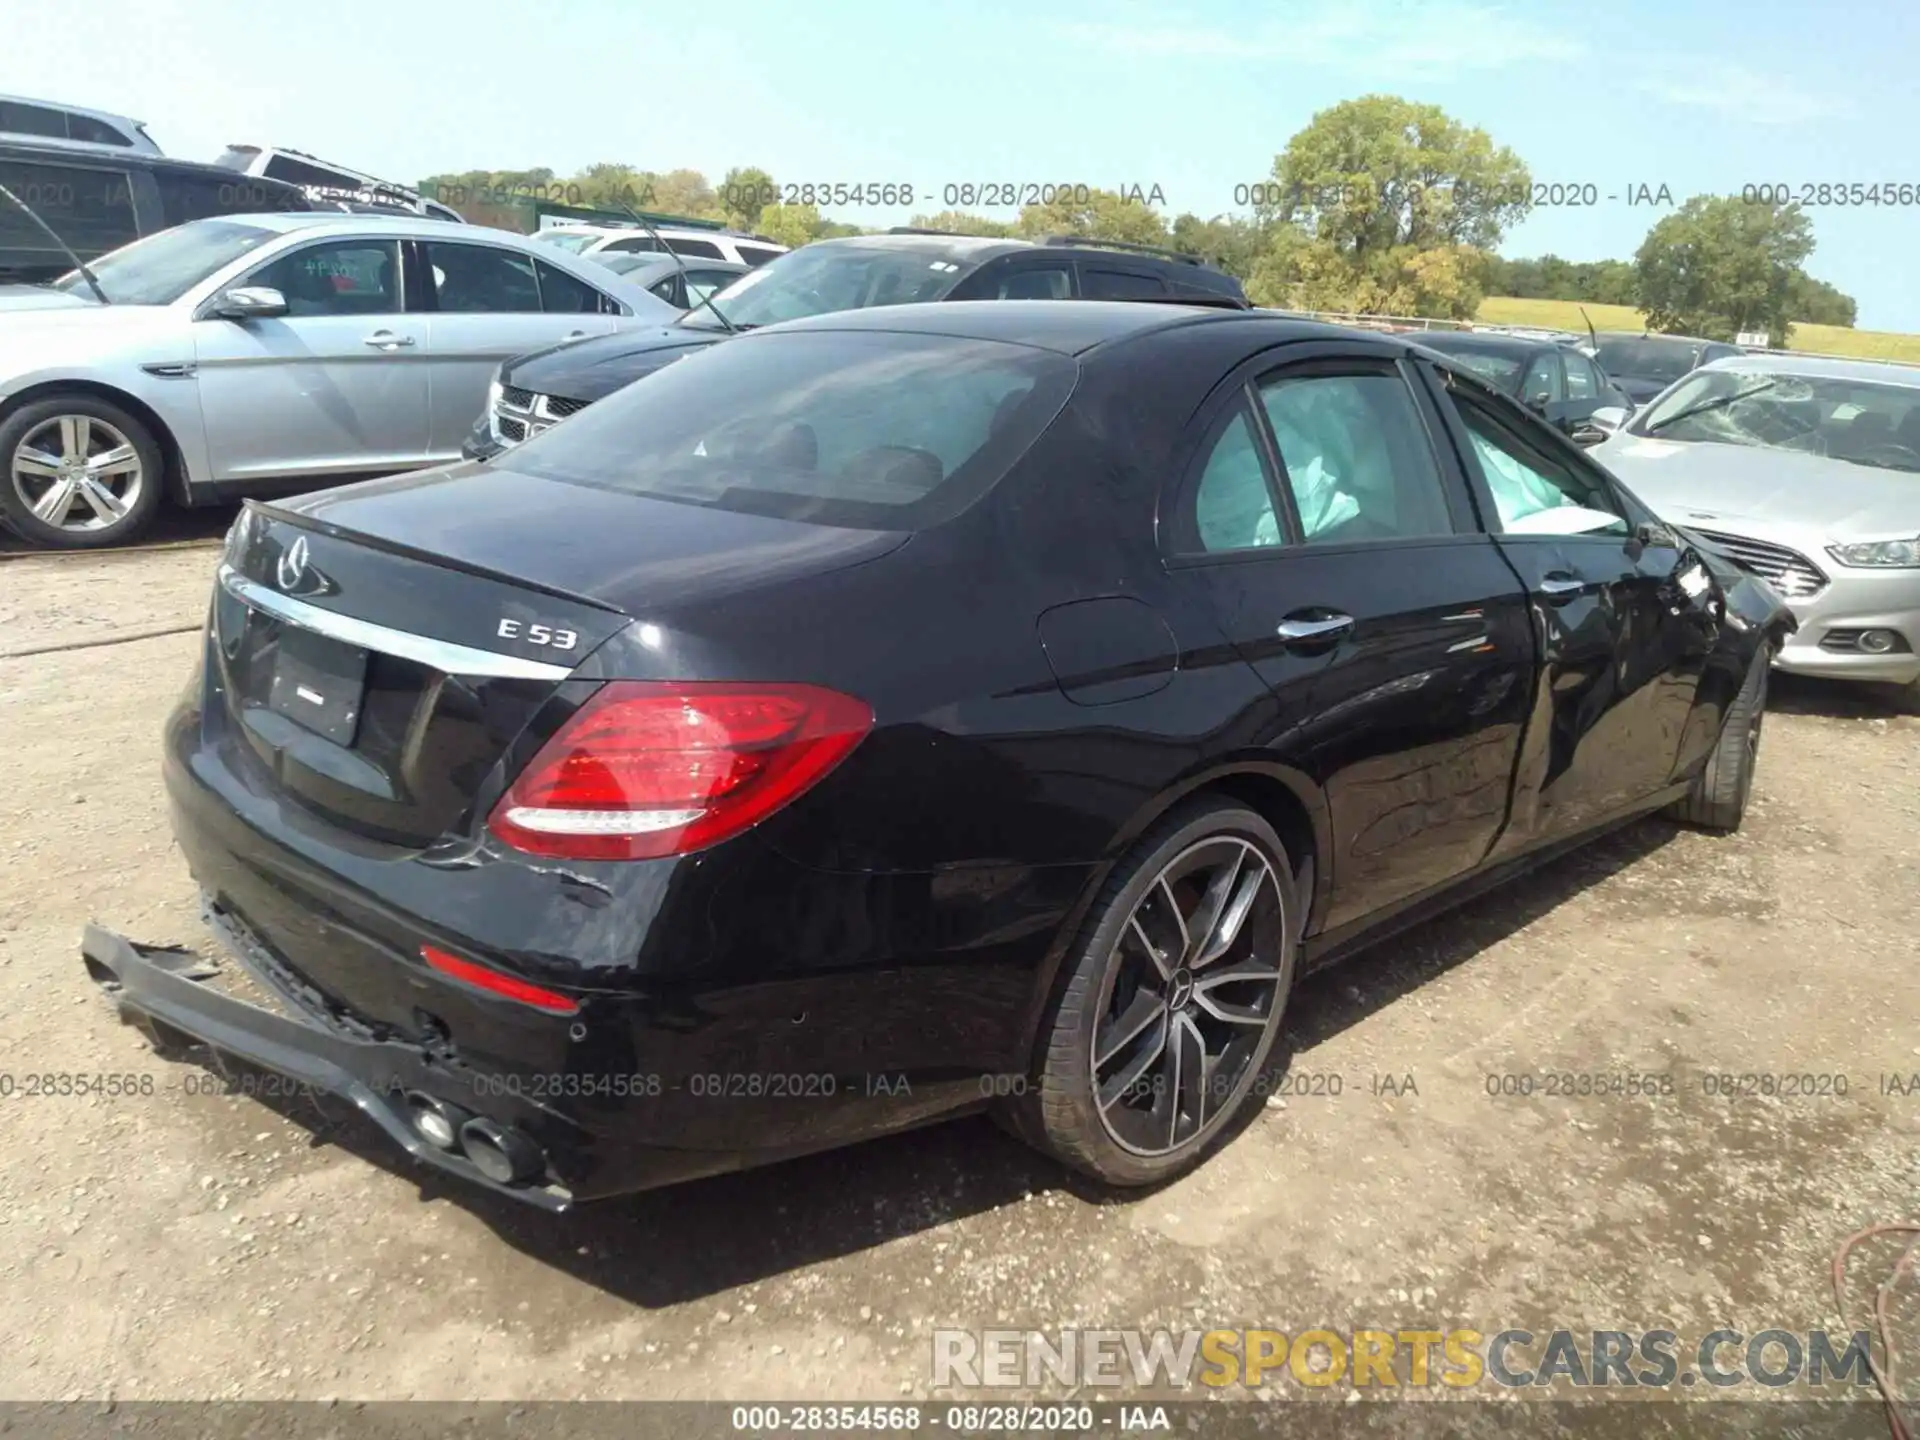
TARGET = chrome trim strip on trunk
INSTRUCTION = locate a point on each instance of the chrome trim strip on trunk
(441, 655)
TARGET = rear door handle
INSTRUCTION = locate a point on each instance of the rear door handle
(1295, 629)
(1559, 588)
(387, 340)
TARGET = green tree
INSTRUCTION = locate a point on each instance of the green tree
(792, 225)
(1818, 303)
(1105, 215)
(1394, 200)
(745, 191)
(1720, 265)
(1229, 241)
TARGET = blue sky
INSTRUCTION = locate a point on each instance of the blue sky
(1697, 96)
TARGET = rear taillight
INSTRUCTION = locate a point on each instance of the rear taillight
(650, 768)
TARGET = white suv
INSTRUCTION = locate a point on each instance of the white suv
(691, 242)
(330, 185)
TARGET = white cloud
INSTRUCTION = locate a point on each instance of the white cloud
(1740, 93)
(1384, 40)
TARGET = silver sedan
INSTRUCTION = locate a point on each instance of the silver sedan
(1807, 471)
(257, 354)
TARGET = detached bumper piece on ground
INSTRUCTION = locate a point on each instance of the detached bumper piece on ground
(163, 992)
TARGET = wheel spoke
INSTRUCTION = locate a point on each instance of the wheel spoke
(1233, 915)
(1156, 956)
(105, 503)
(1144, 1010)
(1129, 1075)
(1189, 1065)
(1206, 915)
(76, 436)
(1173, 908)
(1220, 1009)
(36, 462)
(53, 506)
(120, 460)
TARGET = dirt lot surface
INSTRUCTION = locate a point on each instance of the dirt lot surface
(192, 1245)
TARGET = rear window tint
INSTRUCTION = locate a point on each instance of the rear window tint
(863, 429)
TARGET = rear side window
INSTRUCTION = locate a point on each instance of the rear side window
(758, 254)
(700, 249)
(298, 172)
(482, 279)
(1100, 284)
(90, 207)
(94, 132)
(864, 429)
(1357, 458)
(561, 294)
(1542, 384)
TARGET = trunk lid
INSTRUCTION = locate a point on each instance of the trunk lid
(380, 647)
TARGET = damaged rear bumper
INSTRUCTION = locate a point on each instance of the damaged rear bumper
(162, 992)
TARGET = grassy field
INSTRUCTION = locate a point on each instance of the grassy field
(1825, 339)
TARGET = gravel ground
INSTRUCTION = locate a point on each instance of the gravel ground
(191, 1245)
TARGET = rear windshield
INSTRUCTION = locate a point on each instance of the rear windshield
(1647, 358)
(863, 429)
(1497, 369)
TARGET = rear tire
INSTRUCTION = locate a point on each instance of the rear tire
(1718, 799)
(1149, 1055)
(78, 473)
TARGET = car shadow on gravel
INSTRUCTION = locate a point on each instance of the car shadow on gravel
(697, 1239)
(1832, 699)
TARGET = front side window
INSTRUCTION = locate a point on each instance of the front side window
(1100, 284)
(1232, 508)
(1581, 384)
(336, 277)
(1542, 383)
(1357, 457)
(1534, 491)
(865, 429)
(482, 279)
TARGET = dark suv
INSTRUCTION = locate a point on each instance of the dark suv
(900, 267)
(98, 199)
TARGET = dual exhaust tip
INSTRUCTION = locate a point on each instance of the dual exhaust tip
(499, 1152)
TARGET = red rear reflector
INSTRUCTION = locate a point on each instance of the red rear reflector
(483, 978)
(648, 768)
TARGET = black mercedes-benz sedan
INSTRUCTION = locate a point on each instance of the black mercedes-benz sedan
(902, 267)
(1550, 377)
(903, 712)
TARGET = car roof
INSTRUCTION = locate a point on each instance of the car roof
(1070, 327)
(1490, 343)
(1655, 335)
(1821, 367)
(383, 222)
(79, 152)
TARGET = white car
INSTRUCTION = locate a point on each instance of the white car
(259, 354)
(597, 242)
(1806, 470)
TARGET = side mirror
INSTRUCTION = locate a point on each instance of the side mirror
(1586, 433)
(1609, 417)
(1540, 401)
(1654, 535)
(248, 302)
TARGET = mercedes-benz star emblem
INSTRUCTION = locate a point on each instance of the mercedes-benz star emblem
(293, 564)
